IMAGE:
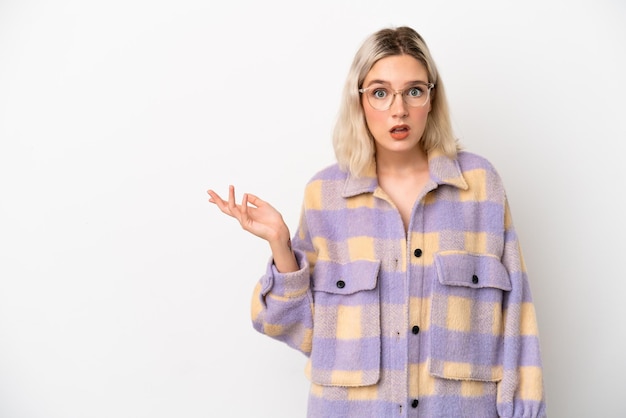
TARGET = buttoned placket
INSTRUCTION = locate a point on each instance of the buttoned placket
(417, 252)
(414, 274)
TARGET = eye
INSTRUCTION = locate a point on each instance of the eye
(414, 91)
(379, 93)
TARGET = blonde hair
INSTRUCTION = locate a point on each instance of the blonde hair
(352, 141)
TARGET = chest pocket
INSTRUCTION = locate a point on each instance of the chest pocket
(346, 327)
(466, 316)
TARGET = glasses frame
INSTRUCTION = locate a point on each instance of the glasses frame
(430, 86)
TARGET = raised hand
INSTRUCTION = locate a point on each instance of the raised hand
(254, 215)
(261, 219)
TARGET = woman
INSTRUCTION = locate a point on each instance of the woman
(404, 284)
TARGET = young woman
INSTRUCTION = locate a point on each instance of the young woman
(404, 283)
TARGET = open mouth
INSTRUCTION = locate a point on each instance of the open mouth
(400, 128)
(399, 131)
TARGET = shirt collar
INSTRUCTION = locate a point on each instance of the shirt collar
(443, 170)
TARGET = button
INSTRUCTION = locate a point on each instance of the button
(417, 252)
(415, 403)
(474, 279)
(341, 284)
(415, 330)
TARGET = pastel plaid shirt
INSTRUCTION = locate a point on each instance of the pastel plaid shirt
(436, 322)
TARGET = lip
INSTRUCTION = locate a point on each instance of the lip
(400, 131)
(400, 127)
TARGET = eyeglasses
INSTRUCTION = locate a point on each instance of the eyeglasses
(381, 98)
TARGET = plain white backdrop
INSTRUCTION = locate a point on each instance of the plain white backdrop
(124, 293)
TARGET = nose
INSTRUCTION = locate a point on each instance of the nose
(398, 107)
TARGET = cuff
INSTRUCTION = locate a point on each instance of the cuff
(287, 285)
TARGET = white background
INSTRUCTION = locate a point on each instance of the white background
(124, 293)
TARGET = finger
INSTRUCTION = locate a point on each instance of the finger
(244, 209)
(214, 197)
(221, 203)
(255, 200)
(232, 206)
(231, 197)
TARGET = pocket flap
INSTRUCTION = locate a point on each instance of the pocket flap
(459, 268)
(345, 279)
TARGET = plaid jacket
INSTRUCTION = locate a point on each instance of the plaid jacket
(436, 322)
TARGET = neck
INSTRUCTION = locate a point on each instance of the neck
(401, 163)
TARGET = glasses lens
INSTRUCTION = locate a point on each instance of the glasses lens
(416, 96)
(381, 98)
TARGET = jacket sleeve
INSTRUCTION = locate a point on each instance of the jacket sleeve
(282, 304)
(520, 392)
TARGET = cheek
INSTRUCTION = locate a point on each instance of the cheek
(420, 114)
(373, 118)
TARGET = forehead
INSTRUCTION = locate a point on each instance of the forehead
(397, 69)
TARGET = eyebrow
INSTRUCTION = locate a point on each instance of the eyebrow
(408, 83)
